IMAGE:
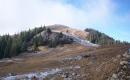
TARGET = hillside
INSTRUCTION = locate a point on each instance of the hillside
(62, 28)
(57, 52)
(50, 36)
(68, 62)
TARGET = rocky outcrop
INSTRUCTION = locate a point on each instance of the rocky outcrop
(123, 70)
(53, 39)
(78, 40)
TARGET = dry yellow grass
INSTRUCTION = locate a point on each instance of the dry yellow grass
(98, 66)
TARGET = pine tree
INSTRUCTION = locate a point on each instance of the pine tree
(35, 44)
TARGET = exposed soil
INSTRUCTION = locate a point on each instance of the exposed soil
(75, 62)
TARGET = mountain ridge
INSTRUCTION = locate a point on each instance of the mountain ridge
(59, 53)
(18, 43)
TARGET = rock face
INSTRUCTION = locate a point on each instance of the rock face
(64, 35)
(123, 72)
(52, 39)
(78, 40)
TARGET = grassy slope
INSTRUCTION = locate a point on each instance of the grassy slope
(101, 64)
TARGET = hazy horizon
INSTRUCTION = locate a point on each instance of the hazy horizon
(108, 16)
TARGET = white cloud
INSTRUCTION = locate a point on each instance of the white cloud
(17, 15)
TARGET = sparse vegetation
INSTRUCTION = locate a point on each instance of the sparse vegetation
(102, 39)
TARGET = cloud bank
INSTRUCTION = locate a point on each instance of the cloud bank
(17, 15)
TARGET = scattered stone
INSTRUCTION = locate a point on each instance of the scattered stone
(74, 58)
(115, 76)
(123, 62)
(122, 72)
(77, 67)
(86, 56)
(128, 77)
(118, 56)
(11, 74)
(66, 75)
(67, 79)
(124, 67)
(34, 78)
(73, 74)
(126, 55)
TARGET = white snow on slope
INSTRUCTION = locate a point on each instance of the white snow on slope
(39, 75)
(79, 40)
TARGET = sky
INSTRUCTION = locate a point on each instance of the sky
(111, 17)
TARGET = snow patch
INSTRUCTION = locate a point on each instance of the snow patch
(79, 40)
(39, 75)
(73, 58)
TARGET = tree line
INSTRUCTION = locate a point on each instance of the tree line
(17, 43)
(14, 45)
(101, 38)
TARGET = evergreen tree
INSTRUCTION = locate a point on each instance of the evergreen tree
(35, 44)
(14, 45)
(101, 38)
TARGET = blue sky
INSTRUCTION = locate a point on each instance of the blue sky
(109, 16)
